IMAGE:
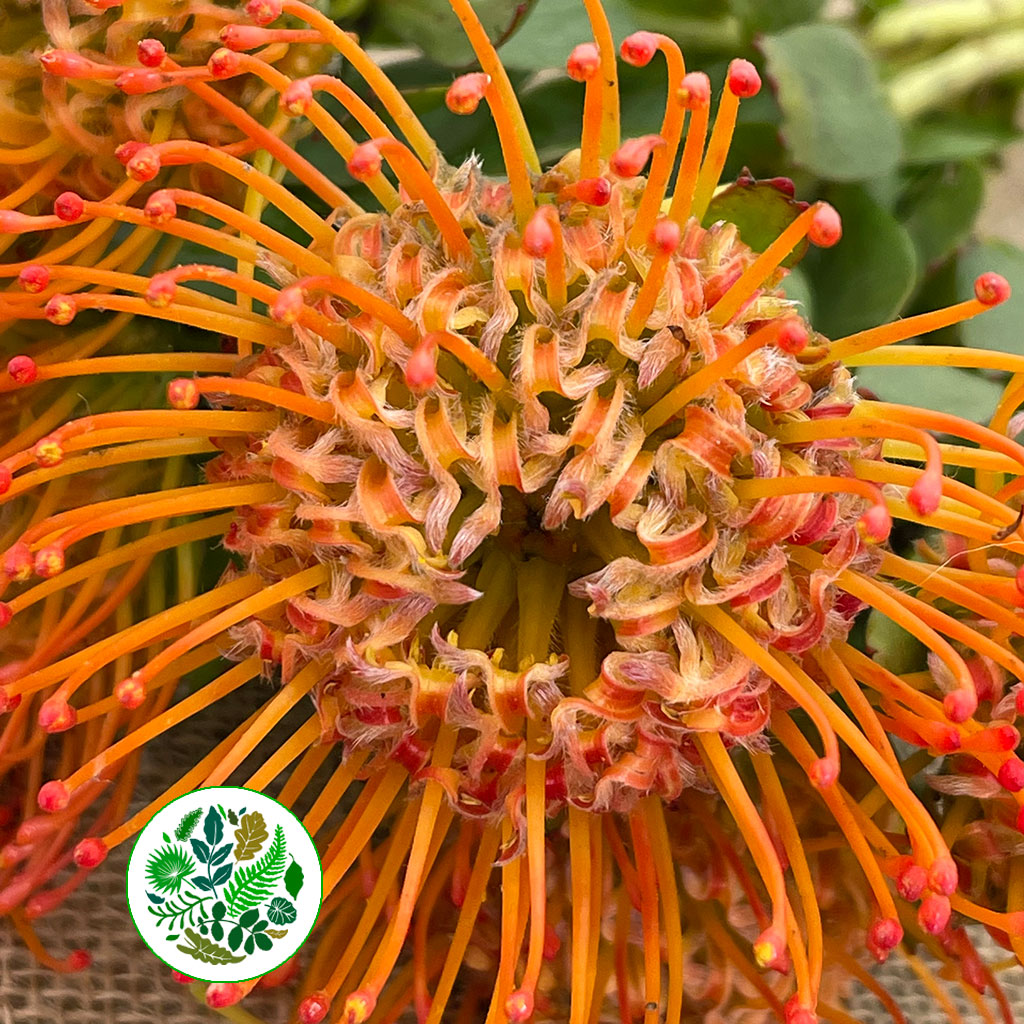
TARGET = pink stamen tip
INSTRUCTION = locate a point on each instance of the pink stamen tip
(823, 772)
(5, 614)
(694, 91)
(519, 1006)
(90, 853)
(960, 705)
(130, 692)
(144, 165)
(666, 236)
(925, 495)
(466, 92)
(288, 305)
(769, 949)
(47, 452)
(65, 64)
(224, 63)
(49, 562)
(592, 191)
(639, 48)
(69, 206)
(933, 914)
(78, 960)
(57, 715)
(223, 993)
(242, 37)
(1011, 774)
(53, 796)
(127, 150)
(263, 12)
(584, 62)
(876, 524)
(181, 979)
(743, 79)
(297, 98)
(34, 278)
(60, 310)
(8, 702)
(365, 161)
(151, 53)
(538, 236)
(421, 369)
(943, 876)
(792, 336)
(160, 207)
(794, 1012)
(784, 185)
(991, 288)
(884, 935)
(161, 291)
(18, 562)
(629, 159)
(183, 393)
(141, 81)
(6, 478)
(911, 882)
(314, 1008)
(826, 226)
(22, 369)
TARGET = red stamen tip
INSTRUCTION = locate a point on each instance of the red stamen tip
(629, 159)
(466, 92)
(263, 12)
(78, 960)
(90, 853)
(943, 876)
(314, 1008)
(223, 993)
(991, 288)
(639, 48)
(925, 495)
(22, 369)
(48, 451)
(60, 310)
(933, 914)
(875, 524)
(130, 692)
(421, 369)
(183, 393)
(911, 882)
(49, 562)
(823, 772)
(160, 207)
(5, 614)
(592, 191)
(127, 150)
(151, 53)
(365, 161)
(5, 478)
(519, 1006)
(358, 1007)
(666, 236)
(960, 705)
(794, 1012)
(224, 63)
(69, 206)
(539, 236)
(144, 165)
(34, 278)
(694, 91)
(288, 305)
(57, 715)
(297, 98)
(769, 949)
(66, 64)
(53, 796)
(884, 935)
(18, 562)
(826, 226)
(181, 979)
(1011, 774)
(743, 79)
(584, 62)
(791, 336)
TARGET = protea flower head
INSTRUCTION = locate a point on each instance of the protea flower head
(558, 515)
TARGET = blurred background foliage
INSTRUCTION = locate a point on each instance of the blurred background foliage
(895, 111)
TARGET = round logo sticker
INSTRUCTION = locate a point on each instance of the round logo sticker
(224, 884)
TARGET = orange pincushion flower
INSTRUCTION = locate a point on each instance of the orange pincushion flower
(560, 515)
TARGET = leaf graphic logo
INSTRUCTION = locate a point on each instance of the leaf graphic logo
(224, 884)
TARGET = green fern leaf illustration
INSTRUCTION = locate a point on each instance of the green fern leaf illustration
(253, 884)
(188, 824)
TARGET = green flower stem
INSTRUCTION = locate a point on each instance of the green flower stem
(943, 21)
(942, 78)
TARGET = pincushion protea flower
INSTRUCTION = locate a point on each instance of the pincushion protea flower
(560, 515)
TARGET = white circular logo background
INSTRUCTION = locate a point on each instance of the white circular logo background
(224, 884)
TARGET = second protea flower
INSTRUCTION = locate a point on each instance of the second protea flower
(561, 514)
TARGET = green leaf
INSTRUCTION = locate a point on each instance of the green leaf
(235, 937)
(277, 933)
(1001, 327)
(760, 210)
(218, 910)
(865, 279)
(942, 388)
(293, 879)
(188, 824)
(167, 868)
(201, 850)
(207, 950)
(213, 827)
(249, 918)
(251, 835)
(250, 944)
(895, 648)
(758, 16)
(217, 930)
(836, 121)
(939, 209)
(431, 25)
(221, 854)
(232, 817)
(222, 874)
(253, 883)
(263, 941)
(281, 911)
(954, 138)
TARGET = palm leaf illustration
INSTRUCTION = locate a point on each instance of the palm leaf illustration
(253, 884)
